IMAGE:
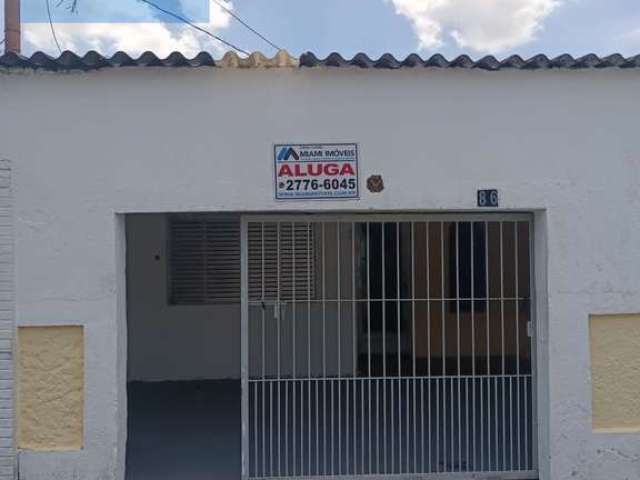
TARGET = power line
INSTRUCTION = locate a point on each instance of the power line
(221, 5)
(193, 25)
(53, 30)
(2, 41)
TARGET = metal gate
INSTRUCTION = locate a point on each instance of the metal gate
(395, 346)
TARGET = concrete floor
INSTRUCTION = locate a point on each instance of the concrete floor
(184, 430)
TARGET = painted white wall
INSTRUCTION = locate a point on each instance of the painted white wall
(88, 146)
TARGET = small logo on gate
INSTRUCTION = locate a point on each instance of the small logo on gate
(286, 152)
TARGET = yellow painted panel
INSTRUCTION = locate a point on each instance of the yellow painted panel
(50, 391)
(615, 372)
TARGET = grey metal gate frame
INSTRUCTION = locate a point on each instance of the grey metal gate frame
(359, 464)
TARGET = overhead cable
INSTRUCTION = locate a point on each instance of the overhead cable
(221, 5)
(53, 30)
(193, 25)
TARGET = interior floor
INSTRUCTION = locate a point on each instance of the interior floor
(187, 430)
(191, 430)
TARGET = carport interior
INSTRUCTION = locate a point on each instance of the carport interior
(406, 335)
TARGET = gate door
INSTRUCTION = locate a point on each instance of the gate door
(395, 346)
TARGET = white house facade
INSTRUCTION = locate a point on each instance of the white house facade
(476, 260)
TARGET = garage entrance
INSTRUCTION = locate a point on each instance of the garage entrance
(387, 345)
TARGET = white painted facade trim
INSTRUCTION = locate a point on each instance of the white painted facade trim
(7, 408)
(87, 148)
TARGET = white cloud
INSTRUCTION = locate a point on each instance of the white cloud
(633, 36)
(481, 25)
(133, 38)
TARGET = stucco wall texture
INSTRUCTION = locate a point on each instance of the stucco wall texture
(615, 372)
(50, 389)
(561, 144)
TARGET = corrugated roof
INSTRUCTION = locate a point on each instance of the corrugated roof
(537, 62)
(69, 61)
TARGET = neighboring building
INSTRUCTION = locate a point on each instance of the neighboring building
(273, 268)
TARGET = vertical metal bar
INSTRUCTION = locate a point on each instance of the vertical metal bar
(324, 354)
(496, 419)
(458, 380)
(254, 456)
(362, 424)
(285, 385)
(264, 363)
(406, 417)
(534, 350)
(526, 423)
(444, 349)
(317, 429)
(309, 254)
(255, 428)
(428, 297)
(511, 440)
(422, 464)
(466, 394)
(353, 338)
(347, 422)
(473, 344)
(331, 381)
(517, 289)
(294, 320)
(531, 461)
(378, 462)
(399, 347)
(302, 383)
(347, 383)
(511, 422)
(487, 307)
(480, 384)
(278, 351)
(428, 267)
(452, 427)
(384, 354)
(369, 364)
(244, 347)
(437, 459)
(413, 343)
(504, 429)
(339, 303)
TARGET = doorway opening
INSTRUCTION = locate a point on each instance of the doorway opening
(183, 370)
(263, 346)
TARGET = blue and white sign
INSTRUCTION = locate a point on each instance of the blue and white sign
(316, 171)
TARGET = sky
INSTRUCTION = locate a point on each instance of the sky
(450, 27)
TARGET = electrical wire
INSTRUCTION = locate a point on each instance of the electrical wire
(193, 25)
(53, 30)
(221, 5)
(2, 41)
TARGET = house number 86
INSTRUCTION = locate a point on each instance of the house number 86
(488, 198)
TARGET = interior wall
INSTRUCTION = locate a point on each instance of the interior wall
(172, 342)
(182, 342)
(190, 342)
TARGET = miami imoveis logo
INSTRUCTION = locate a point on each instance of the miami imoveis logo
(287, 152)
